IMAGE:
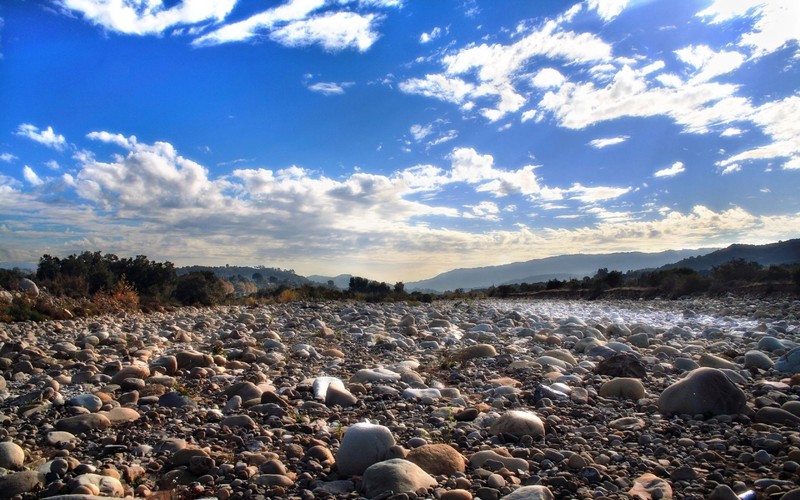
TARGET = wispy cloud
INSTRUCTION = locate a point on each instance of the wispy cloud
(609, 141)
(329, 88)
(431, 35)
(48, 137)
(7, 157)
(153, 17)
(671, 171)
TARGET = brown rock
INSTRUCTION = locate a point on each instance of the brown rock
(438, 459)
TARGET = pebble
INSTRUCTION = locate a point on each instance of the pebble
(623, 387)
(518, 423)
(535, 492)
(437, 459)
(364, 444)
(12, 456)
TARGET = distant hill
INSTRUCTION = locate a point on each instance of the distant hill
(259, 275)
(342, 281)
(538, 270)
(782, 252)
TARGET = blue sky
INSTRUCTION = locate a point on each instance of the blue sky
(395, 139)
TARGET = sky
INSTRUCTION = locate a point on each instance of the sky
(395, 139)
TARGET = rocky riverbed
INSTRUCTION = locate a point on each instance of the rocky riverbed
(454, 400)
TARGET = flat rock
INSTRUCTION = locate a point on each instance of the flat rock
(518, 423)
(438, 459)
(18, 483)
(621, 365)
(705, 391)
(534, 492)
(120, 416)
(106, 485)
(777, 416)
(476, 351)
(363, 444)
(336, 396)
(789, 362)
(480, 458)
(83, 423)
(395, 475)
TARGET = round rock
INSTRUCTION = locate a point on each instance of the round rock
(518, 423)
(12, 456)
(83, 423)
(395, 475)
(437, 459)
(363, 444)
(535, 492)
(623, 387)
(705, 391)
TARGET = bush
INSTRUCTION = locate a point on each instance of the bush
(199, 288)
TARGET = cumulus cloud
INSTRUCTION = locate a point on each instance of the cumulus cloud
(48, 137)
(671, 171)
(118, 139)
(607, 9)
(496, 69)
(485, 210)
(609, 141)
(30, 176)
(774, 26)
(547, 78)
(151, 17)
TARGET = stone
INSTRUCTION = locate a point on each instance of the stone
(396, 475)
(457, 494)
(243, 421)
(120, 416)
(366, 375)
(363, 444)
(131, 371)
(705, 391)
(723, 492)
(169, 364)
(770, 344)
(623, 387)
(649, 486)
(83, 423)
(627, 424)
(757, 359)
(336, 396)
(412, 393)
(480, 458)
(533, 492)
(321, 385)
(790, 362)
(174, 399)
(106, 485)
(621, 365)
(18, 483)
(519, 423)
(88, 401)
(12, 456)
(711, 361)
(187, 360)
(60, 438)
(437, 459)
(777, 416)
(245, 390)
(476, 351)
(28, 287)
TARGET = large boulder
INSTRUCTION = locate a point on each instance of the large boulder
(363, 444)
(396, 475)
(28, 287)
(437, 459)
(704, 391)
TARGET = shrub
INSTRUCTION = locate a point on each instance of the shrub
(199, 288)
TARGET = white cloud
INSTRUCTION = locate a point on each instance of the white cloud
(707, 63)
(485, 210)
(52, 165)
(31, 177)
(671, 171)
(293, 10)
(447, 136)
(109, 138)
(430, 36)
(607, 9)
(7, 157)
(609, 141)
(48, 137)
(496, 69)
(148, 17)
(334, 31)
(329, 88)
(731, 132)
(547, 78)
(420, 132)
(729, 169)
(597, 193)
(778, 120)
(774, 26)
